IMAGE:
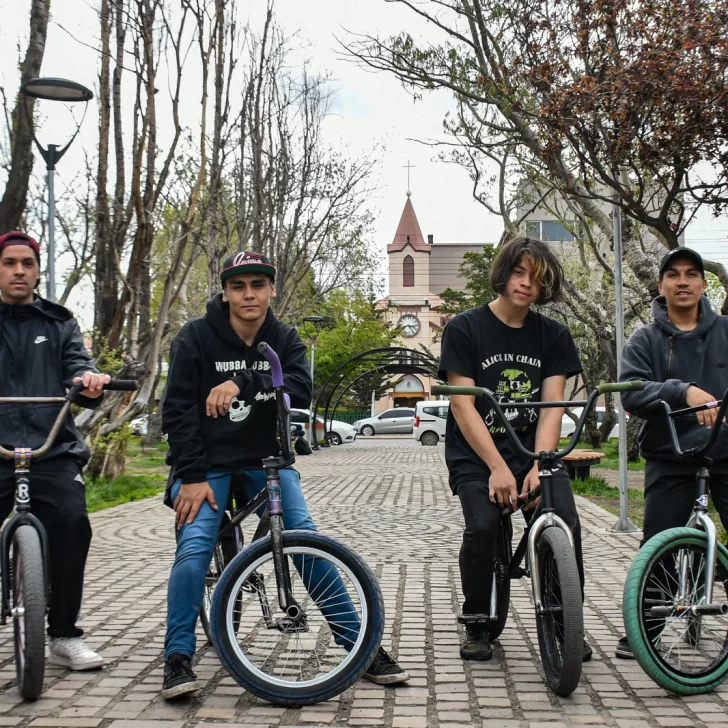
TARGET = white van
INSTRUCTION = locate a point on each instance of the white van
(430, 420)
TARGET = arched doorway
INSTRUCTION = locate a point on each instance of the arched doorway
(408, 391)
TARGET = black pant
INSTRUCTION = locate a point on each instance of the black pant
(58, 500)
(482, 519)
(670, 492)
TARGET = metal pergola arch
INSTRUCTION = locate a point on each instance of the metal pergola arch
(389, 359)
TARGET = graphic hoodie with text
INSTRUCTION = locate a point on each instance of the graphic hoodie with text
(668, 361)
(206, 353)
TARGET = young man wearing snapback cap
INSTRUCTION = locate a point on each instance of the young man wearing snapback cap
(41, 355)
(682, 358)
(218, 421)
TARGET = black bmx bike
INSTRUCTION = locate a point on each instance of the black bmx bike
(676, 594)
(296, 617)
(548, 547)
(24, 551)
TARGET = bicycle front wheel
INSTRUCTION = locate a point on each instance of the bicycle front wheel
(560, 617)
(502, 580)
(28, 601)
(320, 653)
(682, 650)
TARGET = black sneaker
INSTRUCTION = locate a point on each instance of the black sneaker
(624, 650)
(476, 645)
(179, 679)
(385, 671)
(588, 652)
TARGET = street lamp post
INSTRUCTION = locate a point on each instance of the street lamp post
(317, 322)
(54, 89)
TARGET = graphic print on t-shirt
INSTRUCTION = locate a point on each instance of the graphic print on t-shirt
(514, 386)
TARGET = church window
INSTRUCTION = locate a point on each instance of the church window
(408, 272)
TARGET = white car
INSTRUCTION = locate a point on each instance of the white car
(430, 421)
(567, 424)
(338, 432)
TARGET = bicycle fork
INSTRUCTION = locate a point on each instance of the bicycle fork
(283, 577)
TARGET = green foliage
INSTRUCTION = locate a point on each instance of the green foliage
(108, 359)
(352, 327)
(105, 493)
(716, 292)
(475, 270)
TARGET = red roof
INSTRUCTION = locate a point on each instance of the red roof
(408, 231)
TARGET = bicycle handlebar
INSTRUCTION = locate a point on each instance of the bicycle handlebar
(283, 401)
(115, 385)
(555, 454)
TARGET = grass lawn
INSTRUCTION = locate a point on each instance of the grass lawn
(145, 476)
(611, 455)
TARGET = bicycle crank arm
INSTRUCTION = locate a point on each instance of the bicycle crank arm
(680, 610)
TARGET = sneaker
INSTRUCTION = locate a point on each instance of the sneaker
(588, 652)
(179, 679)
(73, 652)
(624, 650)
(385, 671)
(476, 645)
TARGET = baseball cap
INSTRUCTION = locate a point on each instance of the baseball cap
(684, 253)
(246, 262)
(16, 237)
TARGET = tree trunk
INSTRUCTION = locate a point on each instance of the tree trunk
(633, 428)
(12, 204)
(154, 428)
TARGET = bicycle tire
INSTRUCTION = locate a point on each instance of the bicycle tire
(226, 550)
(359, 658)
(651, 554)
(27, 586)
(560, 639)
(503, 583)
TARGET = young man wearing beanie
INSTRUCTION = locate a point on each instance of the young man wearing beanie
(218, 421)
(681, 359)
(41, 355)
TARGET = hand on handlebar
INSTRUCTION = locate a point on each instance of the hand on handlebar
(530, 482)
(93, 384)
(218, 401)
(190, 499)
(502, 487)
(695, 397)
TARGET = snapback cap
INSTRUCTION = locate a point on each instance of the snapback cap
(684, 253)
(247, 262)
(16, 237)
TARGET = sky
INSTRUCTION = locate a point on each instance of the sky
(367, 109)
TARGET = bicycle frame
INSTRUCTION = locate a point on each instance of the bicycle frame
(547, 460)
(699, 518)
(21, 511)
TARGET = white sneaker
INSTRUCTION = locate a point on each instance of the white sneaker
(73, 652)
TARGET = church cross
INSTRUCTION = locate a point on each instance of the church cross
(408, 167)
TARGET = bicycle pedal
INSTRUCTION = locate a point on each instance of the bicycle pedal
(476, 619)
(520, 572)
(290, 626)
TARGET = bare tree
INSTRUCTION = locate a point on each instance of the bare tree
(20, 132)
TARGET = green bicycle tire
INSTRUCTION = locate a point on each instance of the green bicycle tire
(650, 553)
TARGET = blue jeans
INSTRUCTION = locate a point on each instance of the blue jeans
(195, 546)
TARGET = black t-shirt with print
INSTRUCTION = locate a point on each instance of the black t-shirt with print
(511, 363)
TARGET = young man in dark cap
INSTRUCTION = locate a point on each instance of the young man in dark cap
(41, 355)
(219, 420)
(682, 358)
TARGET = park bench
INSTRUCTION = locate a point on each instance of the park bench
(578, 462)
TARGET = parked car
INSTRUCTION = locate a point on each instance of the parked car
(338, 432)
(430, 421)
(567, 424)
(399, 420)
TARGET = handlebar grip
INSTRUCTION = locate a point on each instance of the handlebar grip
(122, 385)
(275, 363)
(447, 389)
(634, 386)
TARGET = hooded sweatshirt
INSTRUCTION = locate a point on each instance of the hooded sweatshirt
(206, 353)
(41, 351)
(668, 361)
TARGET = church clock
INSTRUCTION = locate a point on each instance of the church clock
(409, 324)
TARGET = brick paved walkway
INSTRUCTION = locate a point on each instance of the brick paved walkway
(394, 506)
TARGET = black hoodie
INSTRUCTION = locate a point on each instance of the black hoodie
(668, 361)
(207, 352)
(41, 351)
